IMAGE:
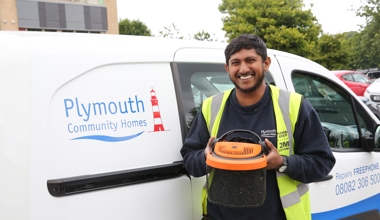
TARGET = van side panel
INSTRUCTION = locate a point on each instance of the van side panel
(110, 118)
(14, 122)
(93, 110)
(112, 113)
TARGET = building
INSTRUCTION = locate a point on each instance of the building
(81, 16)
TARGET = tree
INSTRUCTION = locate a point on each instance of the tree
(331, 51)
(283, 24)
(134, 27)
(174, 32)
(366, 45)
(204, 36)
(348, 46)
(171, 32)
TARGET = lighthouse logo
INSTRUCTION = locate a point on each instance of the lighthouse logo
(157, 120)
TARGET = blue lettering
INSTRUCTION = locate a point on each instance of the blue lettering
(139, 102)
(125, 110)
(68, 128)
(68, 107)
(102, 104)
(114, 110)
(86, 110)
(123, 123)
(76, 101)
(130, 105)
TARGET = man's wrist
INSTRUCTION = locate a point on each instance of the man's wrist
(284, 164)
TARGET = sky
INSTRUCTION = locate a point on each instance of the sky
(190, 17)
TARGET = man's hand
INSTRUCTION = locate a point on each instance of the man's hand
(208, 148)
(274, 159)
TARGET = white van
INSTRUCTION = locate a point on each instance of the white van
(91, 127)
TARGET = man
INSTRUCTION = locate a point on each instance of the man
(301, 156)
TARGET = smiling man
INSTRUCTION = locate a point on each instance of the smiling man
(297, 156)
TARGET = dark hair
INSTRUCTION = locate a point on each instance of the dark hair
(246, 41)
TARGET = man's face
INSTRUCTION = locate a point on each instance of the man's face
(246, 70)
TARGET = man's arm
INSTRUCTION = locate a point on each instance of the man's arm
(193, 150)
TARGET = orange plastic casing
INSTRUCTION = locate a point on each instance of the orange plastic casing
(237, 156)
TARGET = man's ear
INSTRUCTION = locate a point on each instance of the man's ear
(226, 68)
(267, 64)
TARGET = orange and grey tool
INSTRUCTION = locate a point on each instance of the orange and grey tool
(236, 170)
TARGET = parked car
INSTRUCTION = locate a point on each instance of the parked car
(373, 106)
(355, 80)
(373, 74)
(373, 91)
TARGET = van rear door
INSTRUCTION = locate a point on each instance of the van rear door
(102, 118)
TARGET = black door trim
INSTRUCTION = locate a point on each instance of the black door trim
(86, 183)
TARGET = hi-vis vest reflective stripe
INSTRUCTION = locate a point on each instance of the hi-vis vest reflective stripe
(294, 195)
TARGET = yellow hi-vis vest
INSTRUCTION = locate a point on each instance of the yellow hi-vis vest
(294, 195)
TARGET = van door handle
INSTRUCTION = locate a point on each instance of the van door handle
(328, 177)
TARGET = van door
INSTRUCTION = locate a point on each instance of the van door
(113, 125)
(352, 189)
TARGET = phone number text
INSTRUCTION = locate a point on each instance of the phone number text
(357, 184)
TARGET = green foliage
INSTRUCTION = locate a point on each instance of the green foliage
(171, 32)
(136, 27)
(331, 52)
(204, 36)
(174, 32)
(282, 24)
(371, 11)
(366, 45)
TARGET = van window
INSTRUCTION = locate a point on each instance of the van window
(202, 80)
(335, 108)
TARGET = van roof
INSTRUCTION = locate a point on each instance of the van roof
(142, 48)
